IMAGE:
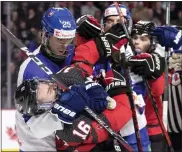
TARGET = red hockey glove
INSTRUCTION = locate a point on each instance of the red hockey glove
(88, 27)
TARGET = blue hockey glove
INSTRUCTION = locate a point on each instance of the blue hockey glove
(70, 103)
(168, 36)
(97, 94)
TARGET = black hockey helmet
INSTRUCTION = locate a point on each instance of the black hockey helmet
(143, 27)
(26, 98)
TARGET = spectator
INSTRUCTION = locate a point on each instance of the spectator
(70, 6)
(89, 8)
(77, 10)
(22, 10)
(98, 15)
(36, 41)
(23, 32)
(159, 12)
(33, 21)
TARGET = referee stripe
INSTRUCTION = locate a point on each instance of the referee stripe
(174, 108)
(170, 116)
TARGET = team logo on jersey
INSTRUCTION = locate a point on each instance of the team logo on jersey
(176, 79)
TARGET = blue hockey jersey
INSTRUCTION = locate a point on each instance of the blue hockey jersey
(37, 132)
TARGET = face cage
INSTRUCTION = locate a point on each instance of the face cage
(33, 107)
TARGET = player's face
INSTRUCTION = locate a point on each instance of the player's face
(46, 92)
(141, 43)
(59, 46)
(112, 20)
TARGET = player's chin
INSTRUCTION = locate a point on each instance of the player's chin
(60, 53)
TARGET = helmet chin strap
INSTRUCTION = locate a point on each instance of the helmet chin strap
(152, 45)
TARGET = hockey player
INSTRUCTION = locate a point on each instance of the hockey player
(39, 96)
(58, 31)
(171, 37)
(145, 44)
(110, 19)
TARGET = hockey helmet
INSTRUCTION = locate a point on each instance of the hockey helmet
(26, 98)
(59, 23)
(145, 28)
(112, 11)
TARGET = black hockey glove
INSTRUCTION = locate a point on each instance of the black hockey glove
(149, 65)
(88, 27)
(71, 76)
(114, 83)
(111, 41)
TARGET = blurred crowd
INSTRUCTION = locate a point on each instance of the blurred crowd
(26, 25)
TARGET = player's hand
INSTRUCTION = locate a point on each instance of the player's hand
(99, 98)
(88, 27)
(70, 103)
(168, 36)
(111, 41)
(71, 76)
(148, 65)
(175, 62)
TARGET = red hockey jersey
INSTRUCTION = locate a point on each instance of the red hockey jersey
(157, 89)
(85, 133)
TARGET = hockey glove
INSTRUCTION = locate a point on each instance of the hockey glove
(88, 27)
(70, 103)
(111, 41)
(115, 83)
(175, 62)
(99, 99)
(149, 65)
(71, 76)
(168, 36)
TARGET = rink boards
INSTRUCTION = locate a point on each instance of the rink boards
(8, 130)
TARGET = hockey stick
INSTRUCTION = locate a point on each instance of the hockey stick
(166, 136)
(166, 89)
(36, 60)
(128, 80)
